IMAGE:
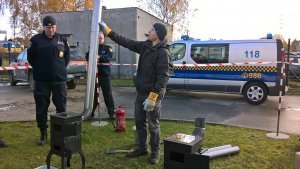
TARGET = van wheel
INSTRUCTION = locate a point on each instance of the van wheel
(255, 93)
(12, 80)
(31, 81)
(71, 84)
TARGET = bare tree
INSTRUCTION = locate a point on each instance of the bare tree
(279, 36)
(26, 14)
(295, 45)
(2, 6)
(173, 12)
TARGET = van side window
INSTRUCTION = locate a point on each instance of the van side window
(218, 54)
(177, 51)
(210, 53)
(199, 54)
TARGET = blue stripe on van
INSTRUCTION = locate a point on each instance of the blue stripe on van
(224, 75)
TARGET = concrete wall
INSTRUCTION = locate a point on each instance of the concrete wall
(132, 23)
(122, 21)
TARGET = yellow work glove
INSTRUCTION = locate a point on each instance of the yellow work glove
(150, 102)
(104, 28)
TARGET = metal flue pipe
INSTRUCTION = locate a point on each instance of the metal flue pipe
(218, 148)
(222, 152)
(92, 68)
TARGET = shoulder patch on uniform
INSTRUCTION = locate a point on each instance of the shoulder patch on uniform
(110, 49)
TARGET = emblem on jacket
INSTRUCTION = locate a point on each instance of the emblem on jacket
(60, 42)
(61, 54)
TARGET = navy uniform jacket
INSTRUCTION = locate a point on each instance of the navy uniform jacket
(49, 58)
(105, 53)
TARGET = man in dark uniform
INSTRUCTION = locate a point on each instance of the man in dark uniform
(49, 56)
(151, 81)
(105, 54)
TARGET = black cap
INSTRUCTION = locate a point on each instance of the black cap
(49, 21)
(161, 30)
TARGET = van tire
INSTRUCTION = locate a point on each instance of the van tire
(71, 84)
(255, 93)
(12, 80)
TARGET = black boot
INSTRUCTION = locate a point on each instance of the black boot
(137, 153)
(112, 115)
(154, 159)
(3, 144)
(43, 138)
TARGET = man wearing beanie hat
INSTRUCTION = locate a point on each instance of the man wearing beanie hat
(49, 56)
(151, 80)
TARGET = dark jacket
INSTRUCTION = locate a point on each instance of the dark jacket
(49, 58)
(153, 66)
(105, 53)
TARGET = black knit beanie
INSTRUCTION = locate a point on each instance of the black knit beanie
(49, 21)
(161, 30)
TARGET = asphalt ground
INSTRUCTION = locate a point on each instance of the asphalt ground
(17, 104)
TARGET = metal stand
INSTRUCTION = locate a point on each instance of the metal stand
(45, 167)
(98, 123)
(278, 135)
(65, 160)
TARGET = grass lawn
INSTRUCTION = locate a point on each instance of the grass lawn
(294, 83)
(5, 62)
(4, 74)
(122, 82)
(114, 82)
(257, 151)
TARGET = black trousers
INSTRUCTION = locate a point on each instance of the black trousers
(105, 85)
(147, 121)
(42, 93)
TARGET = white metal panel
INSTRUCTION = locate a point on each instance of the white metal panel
(267, 52)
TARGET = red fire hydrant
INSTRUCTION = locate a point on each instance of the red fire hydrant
(120, 119)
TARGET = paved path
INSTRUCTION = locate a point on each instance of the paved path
(16, 104)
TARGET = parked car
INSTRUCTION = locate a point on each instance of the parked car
(294, 69)
(15, 47)
(76, 69)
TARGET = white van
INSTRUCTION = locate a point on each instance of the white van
(255, 82)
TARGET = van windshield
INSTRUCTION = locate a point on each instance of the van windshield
(177, 51)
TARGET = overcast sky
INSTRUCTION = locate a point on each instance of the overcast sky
(228, 19)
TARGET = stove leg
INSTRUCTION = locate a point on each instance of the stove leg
(64, 161)
(82, 159)
(68, 162)
(48, 159)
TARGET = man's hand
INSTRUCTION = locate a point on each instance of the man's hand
(98, 58)
(150, 102)
(104, 28)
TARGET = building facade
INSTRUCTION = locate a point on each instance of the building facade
(133, 23)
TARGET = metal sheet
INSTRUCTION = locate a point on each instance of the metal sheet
(92, 68)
